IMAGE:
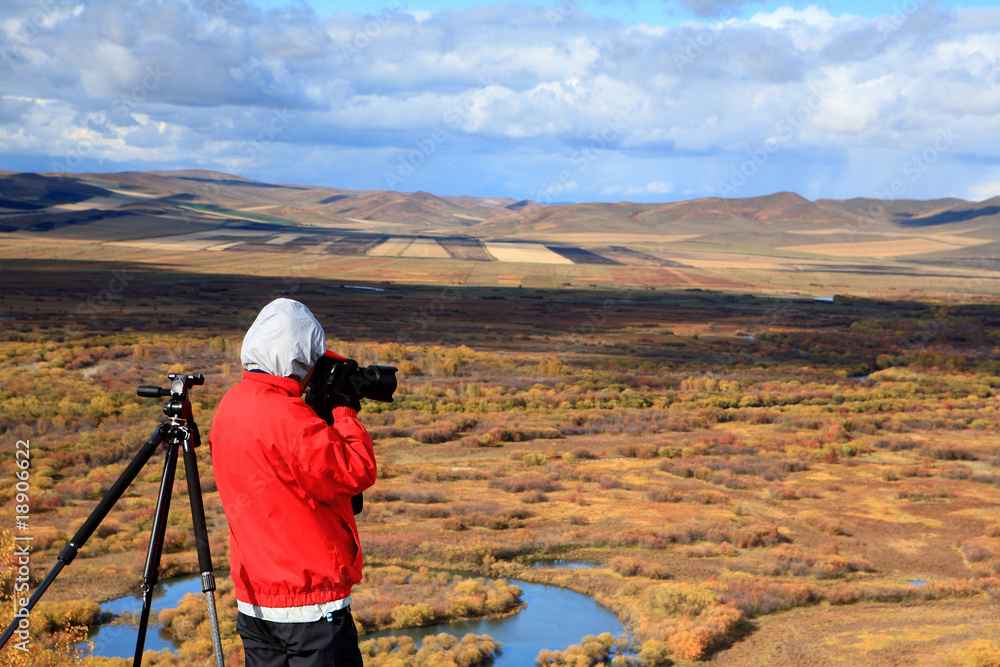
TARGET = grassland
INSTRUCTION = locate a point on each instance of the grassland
(757, 479)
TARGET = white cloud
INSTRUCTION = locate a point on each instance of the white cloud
(158, 82)
(984, 190)
(660, 187)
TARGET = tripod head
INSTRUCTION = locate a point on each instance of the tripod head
(178, 407)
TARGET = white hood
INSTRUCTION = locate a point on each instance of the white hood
(284, 340)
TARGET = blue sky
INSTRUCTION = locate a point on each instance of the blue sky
(655, 13)
(574, 100)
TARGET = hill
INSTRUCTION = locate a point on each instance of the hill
(780, 242)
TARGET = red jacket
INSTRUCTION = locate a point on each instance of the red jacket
(286, 480)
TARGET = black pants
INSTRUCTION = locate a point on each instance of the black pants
(323, 643)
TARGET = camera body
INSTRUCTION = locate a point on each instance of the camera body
(336, 375)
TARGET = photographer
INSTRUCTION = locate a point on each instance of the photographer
(286, 479)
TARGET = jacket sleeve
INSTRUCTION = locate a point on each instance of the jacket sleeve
(327, 461)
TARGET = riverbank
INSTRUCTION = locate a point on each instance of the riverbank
(480, 614)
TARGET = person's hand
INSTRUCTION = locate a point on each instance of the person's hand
(337, 392)
(340, 391)
(339, 399)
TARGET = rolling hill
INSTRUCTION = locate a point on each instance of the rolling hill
(780, 242)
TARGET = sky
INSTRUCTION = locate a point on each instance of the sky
(565, 101)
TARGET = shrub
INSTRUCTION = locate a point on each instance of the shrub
(525, 483)
(534, 496)
(412, 615)
(664, 495)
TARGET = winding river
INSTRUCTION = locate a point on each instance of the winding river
(554, 618)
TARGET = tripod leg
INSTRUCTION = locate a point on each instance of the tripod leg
(201, 540)
(151, 573)
(90, 525)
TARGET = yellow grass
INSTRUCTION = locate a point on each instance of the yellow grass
(394, 247)
(600, 238)
(889, 248)
(188, 242)
(282, 239)
(426, 248)
(524, 252)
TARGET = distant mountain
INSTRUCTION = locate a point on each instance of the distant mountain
(201, 210)
(485, 217)
(781, 242)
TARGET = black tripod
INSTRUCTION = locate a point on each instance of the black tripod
(178, 432)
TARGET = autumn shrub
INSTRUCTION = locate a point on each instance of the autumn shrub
(397, 544)
(523, 483)
(788, 559)
(948, 453)
(980, 653)
(442, 649)
(664, 495)
(534, 496)
(591, 650)
(710, 550)
(632, 567)
(534, 459)
(439, 474)
(51, 616)
(421, 496)
(637, 450)
(441, 432)
(756, 597)
(721, 623)
(679, 599)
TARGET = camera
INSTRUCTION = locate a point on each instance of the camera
(337, 380)
(335, 375)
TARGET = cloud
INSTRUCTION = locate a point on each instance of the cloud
(501, 101)
(984, 190)
(653, 188)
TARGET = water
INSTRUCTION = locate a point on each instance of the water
(118, 641)
(554, 618)
(568, 564)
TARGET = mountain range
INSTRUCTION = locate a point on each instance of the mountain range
(937, 246)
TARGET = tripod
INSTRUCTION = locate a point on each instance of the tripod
(178, 432)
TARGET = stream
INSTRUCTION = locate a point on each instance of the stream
(554, 618)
